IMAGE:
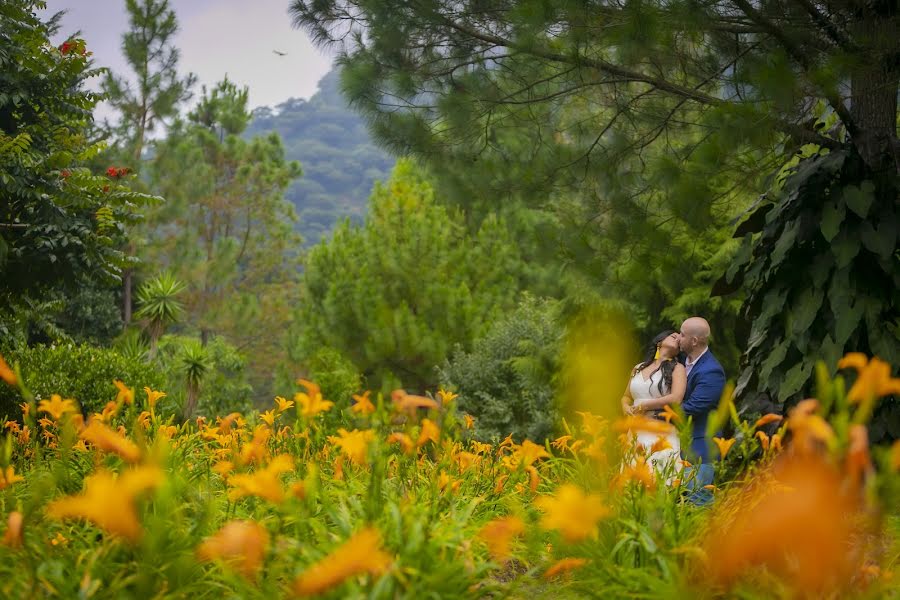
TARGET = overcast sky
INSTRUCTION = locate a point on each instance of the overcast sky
(216, 37)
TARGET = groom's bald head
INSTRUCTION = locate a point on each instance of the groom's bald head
(694, 335)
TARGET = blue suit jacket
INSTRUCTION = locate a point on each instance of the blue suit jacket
(704, 389)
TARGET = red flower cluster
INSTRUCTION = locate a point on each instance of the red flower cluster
(72, 47)
(117, 172)
(65, 173)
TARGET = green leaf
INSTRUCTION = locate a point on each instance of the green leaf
(859, 199)
(774, 359)
(794, 379)
(845, 248)
(832, 217)
(880, 239)
(785, 243)
(806, 308)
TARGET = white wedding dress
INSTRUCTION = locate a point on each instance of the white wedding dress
(665, 459)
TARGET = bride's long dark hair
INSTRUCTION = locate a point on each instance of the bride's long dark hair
(667, 366)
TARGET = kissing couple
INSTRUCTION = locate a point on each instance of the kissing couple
(679, 369)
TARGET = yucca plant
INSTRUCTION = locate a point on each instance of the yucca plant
(160, 306)
(194, 364)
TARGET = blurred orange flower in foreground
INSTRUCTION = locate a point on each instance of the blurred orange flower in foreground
(13, 536)
(873, 380)
(240, 544)
(108, 501)
(574, 513)
(499, 534)
(563, 566)
(104, 438)
(6, 374)
(796, 519)
(360, 554)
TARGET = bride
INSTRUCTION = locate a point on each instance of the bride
(658, 381)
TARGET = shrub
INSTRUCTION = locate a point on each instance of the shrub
(80, 371)
(507, 381)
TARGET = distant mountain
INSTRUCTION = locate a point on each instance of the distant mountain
(340, 162)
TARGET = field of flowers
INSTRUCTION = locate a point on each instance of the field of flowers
(392, 497)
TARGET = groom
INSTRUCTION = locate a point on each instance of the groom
(705, 383)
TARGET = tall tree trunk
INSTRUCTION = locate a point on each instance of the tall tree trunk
(126, 298)
(873, 88)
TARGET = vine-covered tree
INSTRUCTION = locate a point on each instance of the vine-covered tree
(671, 100)
(397, 294)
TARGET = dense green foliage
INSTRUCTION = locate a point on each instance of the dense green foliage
(655, 121)
(507, 379)
(395, 295)
(340, 160)
(80, 371)
(59, 221)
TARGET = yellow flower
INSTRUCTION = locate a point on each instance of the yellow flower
(661, 443)
(809, 430)
(108, 501)
(311, 402)
(446, 397)
(644, 424)
(144, 419)
(763, 440)
(430, 432)
(564, 565)
(591, 424)
(153, 397)
(168, 431)
(104, 438)
(59, 540)
(445, 483)
(9, 477)
(873, 378)
(362, 553)
(561, 443)
(7, 374)
(240, 544)
(574, 513)
(363, 405)
(466, 460)
(470, 421)
(354, 444)
(264, 483)
(56, 406)
(404, 440)
(125, 394)
(499, 534)
(269, 417)
(13, 536)
(723, 445)
(640, 472)
(283, 404)
(766, 419)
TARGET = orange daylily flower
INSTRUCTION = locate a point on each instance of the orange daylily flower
(13, 536)
(408, 403)
(873, 378)
(661, 443)
(153, 397)
(363, 405)
(9, 477)
(639, 471)
(858, 462)
(404, 440)
(268, 417)
(591, 424)
(144, 419)
(561, 443)
(361, 554)
(104, 438)
(125, 394)
(108, 501)
(498, 535)
(56, 406)
(669, 415)
(469, 420)
(723, 445)
(564, 565)
(430, 433)
(446, 397)
(354, 444)
(264, 483)
(640, 423)
(766, 419)
(311, 403)
(7, 374)
(763, 440)
(240, 544)
(283, 404)
(571, 511)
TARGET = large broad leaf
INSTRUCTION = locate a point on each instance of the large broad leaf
(785, 243)
(846, 322)
(859, 199)
(880, 239)
(832, 216)
(830, 352)
(845, 247)
(795, 379)
(806, 308)
(774, 359)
